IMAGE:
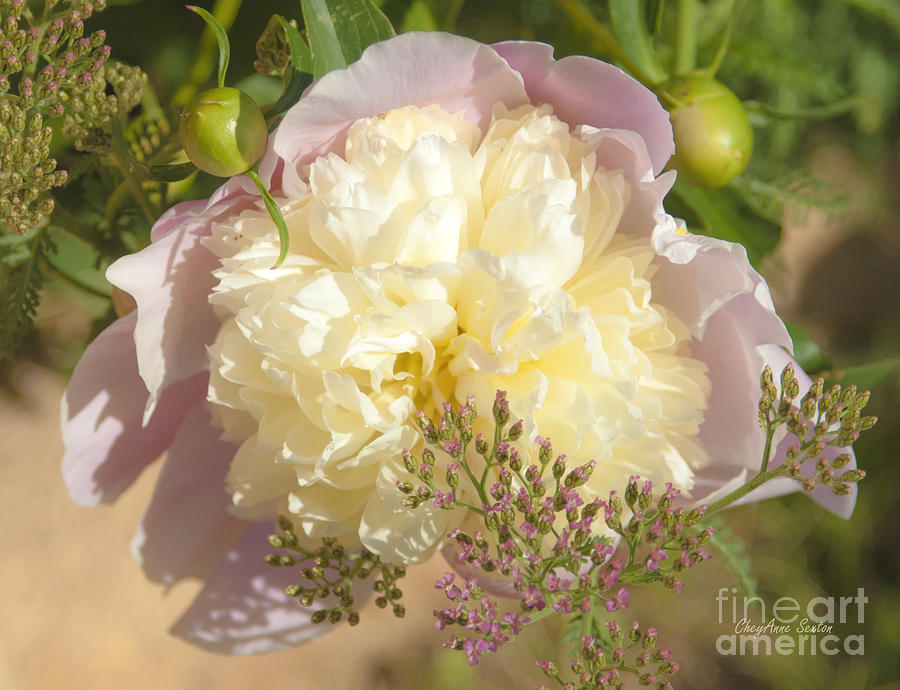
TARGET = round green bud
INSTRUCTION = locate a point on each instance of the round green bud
(223, 132)
(713, 138)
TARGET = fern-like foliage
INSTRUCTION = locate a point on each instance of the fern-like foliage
(23, 267)
(50, 71)
(731, 550)
(790, 197)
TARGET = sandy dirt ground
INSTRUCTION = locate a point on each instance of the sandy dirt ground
(77, 613)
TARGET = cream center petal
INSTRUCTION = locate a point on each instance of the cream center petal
(430, 263)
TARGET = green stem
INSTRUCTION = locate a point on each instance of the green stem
(726, 40)
(115, 201)
(739, 493)
(489, 461)
(124, 163)
(587, 621)
(134, 184)
(633, 544)
(478, 487)
(686, 36)
(658, 18)
(767, 449)
(469, 506)
(816, 112)
(34, 48)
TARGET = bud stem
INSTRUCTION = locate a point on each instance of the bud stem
(686, 36)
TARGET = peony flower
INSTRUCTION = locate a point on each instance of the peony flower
(463, 219)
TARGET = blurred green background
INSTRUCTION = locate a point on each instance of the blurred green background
(835, 273)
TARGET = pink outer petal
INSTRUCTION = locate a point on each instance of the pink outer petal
(170, 281)
(587, 91)
(701, 276)
(419, 69)
(243, 609)
(187, 527)
(619, 149)
(710, 285)
(106, 446)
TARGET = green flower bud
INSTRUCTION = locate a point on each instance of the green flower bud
(224, 132)
(713, 138)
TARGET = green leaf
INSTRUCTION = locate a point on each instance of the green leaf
(261, 88)
(796, 194)
(807, 353)
(301, 58)
(298, 83)
(731, 550)
(221, 37)
(23, 266)
(339, 31)
(324, 44)
(301, 73)
(275, 215)
(722, 213)
(867, 376)
(78, 262)
(628, 23)
(166, 173)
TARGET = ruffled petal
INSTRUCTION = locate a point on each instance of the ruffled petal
(106, 445)
(395, 533)
(243, 609)
(170, 281)
(187, 527)
(701, 276)
(710, 285)
(587, 91)
(420, 69)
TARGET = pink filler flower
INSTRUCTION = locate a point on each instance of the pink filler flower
(141, 386)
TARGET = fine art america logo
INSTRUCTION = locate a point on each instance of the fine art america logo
(788, 627)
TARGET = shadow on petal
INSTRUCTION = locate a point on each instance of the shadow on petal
(243, 609)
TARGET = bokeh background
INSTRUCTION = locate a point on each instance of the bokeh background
(75, 611)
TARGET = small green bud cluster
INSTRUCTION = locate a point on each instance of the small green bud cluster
(27, 172)
(273, 50)
(49, 69)
(328, 573)
(388, 592)
(146, 135)
(818, 420)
